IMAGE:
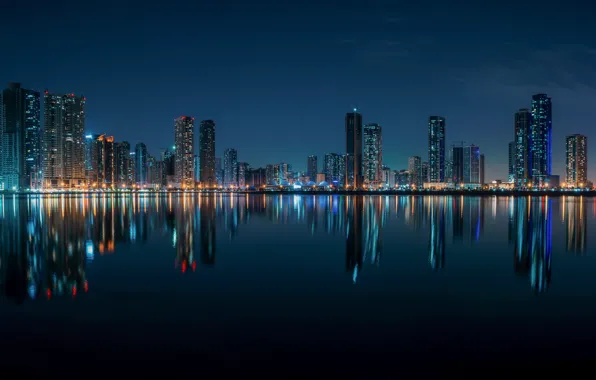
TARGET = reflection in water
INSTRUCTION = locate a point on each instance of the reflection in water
(533, 240)
(46, 243)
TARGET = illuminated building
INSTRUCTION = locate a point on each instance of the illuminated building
(523, 138)
(471, 167)
(577, 160)
(481, 170)
(541, 139)
(122, 160)
(373, 155)
(20, 138)
(243, 168)
(63, 140)
(184, 151)
(312, 167)
(230, 168)
(207, 171)
(353, 162)
(415, 170)
(436, 149)
(140, 165)
(425, 171)
(219, 173)
(334, 168)
(511, 163)
(456, 160)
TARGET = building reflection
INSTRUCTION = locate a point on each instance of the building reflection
(575, 216)
(207, 220)
(436, 245)
(533, 241)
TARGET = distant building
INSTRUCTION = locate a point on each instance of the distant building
(243, 169)
(425, 170)
(511, 166)
(230, 168)
(373, 155)
(482, 178)
(523, 157)
(208, 166)
(141, 164)
(334, 169)
(257, 177)
(415, 170)
(403, 178)
(436, 149)
(219, 173)
(577, 160)
(122, 151)
(353, 163)
(541, 139)
(184, 151)
(312, 167)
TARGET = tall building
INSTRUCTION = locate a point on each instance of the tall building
(577, 160)
(230, 168)
(482, 179)
(64, 140)
(415, 170)
(184, 151)
(425, 170)
(20, 157)
(436, 149)
(511, 166)
(334, 168)
(140, 164)
(471, 172)
(243, 169)
(541, 139)
(219, 173)
(122, 161)
(353, 176)
(456, 172)
(523, 158)
(207, 174)
(312, 167)
(373, 155)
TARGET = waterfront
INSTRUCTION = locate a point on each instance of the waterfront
(452, 277)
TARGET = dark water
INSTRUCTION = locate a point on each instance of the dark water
(322, 280)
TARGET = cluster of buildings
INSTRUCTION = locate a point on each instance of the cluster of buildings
(61, 155)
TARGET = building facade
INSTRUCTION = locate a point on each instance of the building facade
(207, 167)
(230, 168)
(312, 167)
(140, 164)
(541, 139)
(353, 163)
(373, 155)
(184, 151)
(577, 160)
(415, 171)
(523, 158)
(436, 149)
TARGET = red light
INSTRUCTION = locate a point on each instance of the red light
(86, 286)
(49, 293)
(72, 95)
(194, 266)
(184, 266)
(74, 291)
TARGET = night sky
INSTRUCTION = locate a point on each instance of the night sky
(278, 76)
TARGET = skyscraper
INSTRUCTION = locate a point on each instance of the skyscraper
(334, 168)
(353, 176)
(457, 164)
(415, 170)
(140, 164)
(64, 140)
(523, 158)
(184, 151)
(471, 170)
(20, 159)
(219, 171)
(122, 163)
(207, 175)
(425, 170)
(373, 155)
(312, 167)
(436, 149)
(243, 169)
(577, 160)
(511, 166)
(482, 179)
(541, 139)
(230, 168)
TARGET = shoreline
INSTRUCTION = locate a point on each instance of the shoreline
(472, 193)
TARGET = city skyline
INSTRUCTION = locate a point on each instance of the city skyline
(394, 79)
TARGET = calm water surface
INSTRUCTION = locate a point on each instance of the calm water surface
(317, 277)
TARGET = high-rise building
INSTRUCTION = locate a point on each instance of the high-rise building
(577, 160)
(541, 139)
(20, 160)
(415, 171)
(436, 149)
(456, 172)
(230, 168)
(243, 169)
(219, 173)
(140, 164)
(523, 158)
(269, 175)
(471, 172)
(334, 169)
(373, 155)
(353, 176)
(511, 166)
(64, 140)
(122, 152)
(184, 151)
(482, 179)
(312, 167)
(109, 163)
(207, 174)
(100, 161)
(425, 170)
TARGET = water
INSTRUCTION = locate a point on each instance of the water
(328, 279)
